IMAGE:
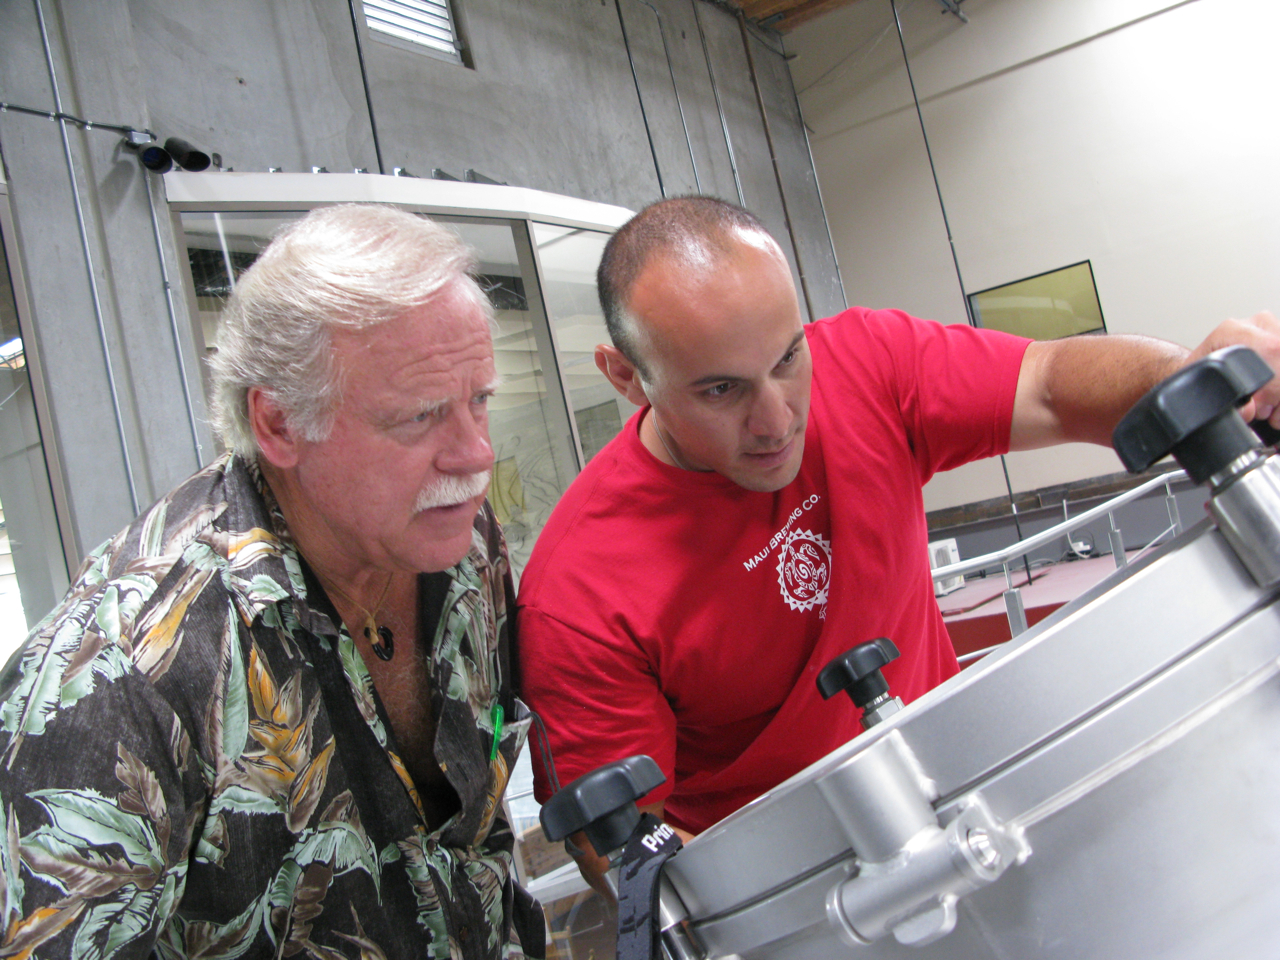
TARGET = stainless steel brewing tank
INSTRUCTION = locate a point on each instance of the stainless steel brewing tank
(1106, 786)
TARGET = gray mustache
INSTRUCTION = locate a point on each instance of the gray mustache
(449, 490)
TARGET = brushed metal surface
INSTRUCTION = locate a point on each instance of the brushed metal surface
(1134, 736)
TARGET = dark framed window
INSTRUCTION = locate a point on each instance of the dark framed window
(1047, 306)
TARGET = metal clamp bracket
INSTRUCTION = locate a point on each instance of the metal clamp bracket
(911, 868)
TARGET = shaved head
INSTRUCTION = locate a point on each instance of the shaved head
(694, 233)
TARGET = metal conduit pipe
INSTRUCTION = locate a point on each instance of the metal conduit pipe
(946, 223)
(57, 115)
(644, 116)
(155, 227)
(662, 32)
(773, 155)
(804, 127)
(88, 259)
(933, 170)
(364, 78)
(715, 92)
(173, 322)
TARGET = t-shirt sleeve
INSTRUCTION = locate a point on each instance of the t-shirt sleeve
(953, 384)
(598, 698)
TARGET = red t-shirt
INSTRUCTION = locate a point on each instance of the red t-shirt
(676, 614)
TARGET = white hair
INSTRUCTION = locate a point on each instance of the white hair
(350, 266)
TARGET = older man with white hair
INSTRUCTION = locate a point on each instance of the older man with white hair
(275, 715)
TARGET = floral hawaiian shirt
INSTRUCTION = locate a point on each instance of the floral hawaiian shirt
(194, 761)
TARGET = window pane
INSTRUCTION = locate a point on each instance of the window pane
(532, 442)
(568, 258)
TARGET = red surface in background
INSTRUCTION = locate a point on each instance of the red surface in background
(975, 614)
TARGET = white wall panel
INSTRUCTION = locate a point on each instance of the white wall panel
(1138, 135)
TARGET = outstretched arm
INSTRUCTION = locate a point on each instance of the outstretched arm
(1077, 389)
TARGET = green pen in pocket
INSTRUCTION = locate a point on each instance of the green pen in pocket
(496, 714)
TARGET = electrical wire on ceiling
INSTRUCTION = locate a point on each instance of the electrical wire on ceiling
(866, 48)
(145, 136)
(826, 223)
(87, 252)
(671, 71)
(644, 115)
(777, 170)
(715, 92)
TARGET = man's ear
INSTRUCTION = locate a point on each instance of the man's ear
(271, 429)
(622, 373)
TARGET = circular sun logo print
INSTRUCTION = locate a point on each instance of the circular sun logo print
(804, 570)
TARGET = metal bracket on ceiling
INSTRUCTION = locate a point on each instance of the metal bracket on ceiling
(953, 6)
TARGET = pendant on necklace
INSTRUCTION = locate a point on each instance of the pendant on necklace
(385, 645)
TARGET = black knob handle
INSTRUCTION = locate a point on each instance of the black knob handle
(1268, 434)
(857, 672)
(1192, 415)
(602, 803)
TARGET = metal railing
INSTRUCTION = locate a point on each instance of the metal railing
(1013, 596)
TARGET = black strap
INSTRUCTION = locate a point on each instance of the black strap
(652, 844)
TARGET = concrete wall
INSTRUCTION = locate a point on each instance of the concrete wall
(547, 100)
(1138, 134)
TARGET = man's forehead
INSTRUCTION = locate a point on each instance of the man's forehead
(426, 341)
(716, 349)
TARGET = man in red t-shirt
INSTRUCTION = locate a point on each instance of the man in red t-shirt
(762, 512)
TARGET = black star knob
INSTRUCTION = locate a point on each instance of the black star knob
(602, 803)
(1192, 415)
(857, 673)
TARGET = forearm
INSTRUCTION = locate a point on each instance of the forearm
(1078, 389)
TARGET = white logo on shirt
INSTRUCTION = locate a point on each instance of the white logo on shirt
(804, 570)
(751, 562)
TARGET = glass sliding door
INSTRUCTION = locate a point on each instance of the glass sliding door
(220, 247)
(567, 260)
(534, 459)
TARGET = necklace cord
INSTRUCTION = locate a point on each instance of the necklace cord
(380, 637)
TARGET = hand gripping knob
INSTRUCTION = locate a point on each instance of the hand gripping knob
(1192, 415)
(857, 672)
(602, 803)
